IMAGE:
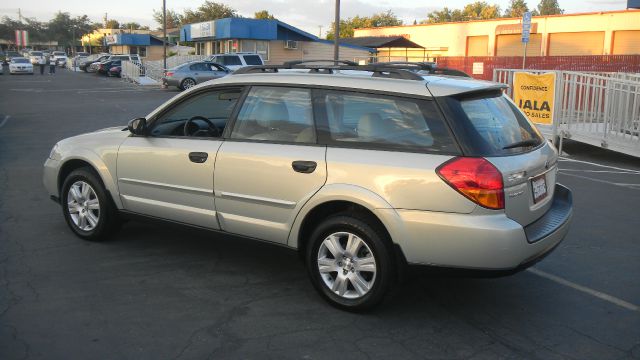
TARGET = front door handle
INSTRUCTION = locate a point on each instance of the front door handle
(198, 157)
(305, 167)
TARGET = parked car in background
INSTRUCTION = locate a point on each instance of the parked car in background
(20, 65)
(126, 57)
(36, 56)
(10, 55)
(59, 57)
(81, 54)
(237, 60)
(85, 64)
(115, 69)
(193, 73)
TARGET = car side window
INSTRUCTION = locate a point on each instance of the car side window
(276, 114)
(252, 60)
(386, 122)
(202, 115)
(199, 67)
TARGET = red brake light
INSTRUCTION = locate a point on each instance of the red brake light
(475, 178)
(169, 73)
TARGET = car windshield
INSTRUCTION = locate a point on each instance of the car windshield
(36, 53)
(58, 53)
(12, 53)
(20, 61)
(491, 125)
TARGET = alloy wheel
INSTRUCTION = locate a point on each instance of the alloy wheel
(83, 206)
(346, 265)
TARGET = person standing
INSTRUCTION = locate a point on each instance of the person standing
(52, 65)
(42, 62)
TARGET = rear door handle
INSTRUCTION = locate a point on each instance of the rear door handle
(198, 157)
(305, 167)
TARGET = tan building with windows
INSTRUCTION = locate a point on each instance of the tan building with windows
(601, 33)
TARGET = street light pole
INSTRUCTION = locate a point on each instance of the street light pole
(336, 34)
(164, 34)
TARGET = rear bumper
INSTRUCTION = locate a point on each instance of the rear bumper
(485, 242)
(170, 82)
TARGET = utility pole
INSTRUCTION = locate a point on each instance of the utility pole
(336, 32)
(164, 35)
(105, 20)
(320, 31)
(19, 15)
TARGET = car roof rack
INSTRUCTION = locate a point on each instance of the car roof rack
(378, 71)
(430, 67)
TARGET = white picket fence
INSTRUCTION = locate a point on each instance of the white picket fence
(601, 109)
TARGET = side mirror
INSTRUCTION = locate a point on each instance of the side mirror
(138, 126)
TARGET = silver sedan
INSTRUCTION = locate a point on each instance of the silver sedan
(190, 74)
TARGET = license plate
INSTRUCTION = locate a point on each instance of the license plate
(539, 187)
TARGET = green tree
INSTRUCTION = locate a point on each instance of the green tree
(133, 26)
(173, 19)
(112, 24)
(208, 11)
(263, 14)
(516, 9)
(548, 7)
(387, 18)
(444, 15)
(480, 10)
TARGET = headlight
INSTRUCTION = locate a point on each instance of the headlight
(54, 154)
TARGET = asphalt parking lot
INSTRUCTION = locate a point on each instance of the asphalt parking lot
(163, 292)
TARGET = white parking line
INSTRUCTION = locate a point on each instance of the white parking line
(624, 185)
(602, 171)
(600, 295)
(4, 121)
(562, 158)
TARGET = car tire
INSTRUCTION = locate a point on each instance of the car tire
(87, 207)
(355, 255)
(187, 83)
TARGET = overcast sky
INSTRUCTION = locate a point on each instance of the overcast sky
(305, 14)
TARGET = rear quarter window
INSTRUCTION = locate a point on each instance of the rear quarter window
(252, 60)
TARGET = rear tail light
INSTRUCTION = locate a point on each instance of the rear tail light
(475, 178)
(169, 73)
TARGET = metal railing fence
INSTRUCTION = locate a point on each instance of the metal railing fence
(601, 109)
(132, 71)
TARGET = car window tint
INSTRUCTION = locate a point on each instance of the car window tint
(386, 121)
(199, 67)
(252, 60)
(276, 114)
(231, 60)
(216, 106)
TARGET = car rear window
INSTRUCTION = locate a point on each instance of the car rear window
(489, 124)
(381, 121)
(252, 60)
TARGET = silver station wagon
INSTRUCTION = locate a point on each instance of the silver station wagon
(362, 169)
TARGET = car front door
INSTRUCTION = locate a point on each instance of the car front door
(168, 173)
(270, 165)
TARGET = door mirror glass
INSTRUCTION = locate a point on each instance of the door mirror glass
(138, 126)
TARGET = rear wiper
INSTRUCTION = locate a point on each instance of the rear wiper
(523, 143)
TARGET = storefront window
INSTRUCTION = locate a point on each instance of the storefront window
(262, 48)
(142, 51)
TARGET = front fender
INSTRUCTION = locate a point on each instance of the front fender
(350, 193)
(104, 165)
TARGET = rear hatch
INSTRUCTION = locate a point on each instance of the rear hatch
(489, 125)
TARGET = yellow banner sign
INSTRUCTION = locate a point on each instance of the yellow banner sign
(534, 95)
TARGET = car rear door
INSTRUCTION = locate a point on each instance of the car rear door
(269, 165)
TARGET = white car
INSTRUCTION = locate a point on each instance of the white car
(35, 56)
(60, 58)
(236, 61)
(20, 65)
